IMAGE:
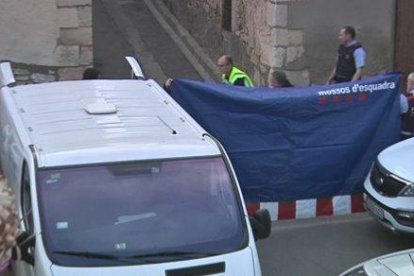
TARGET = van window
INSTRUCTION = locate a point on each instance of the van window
(26, 200)
(137, 209)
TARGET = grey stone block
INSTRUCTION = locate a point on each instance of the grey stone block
(298, 78)
(67, 55)
(276, 14)
(68, 17)
(293, 53)
(72, 3)
(19, 71)
(77, 36)
(295, 37)
(21, 77)
(40, 78)
(71, 73)
(85, 16)
(86, 55)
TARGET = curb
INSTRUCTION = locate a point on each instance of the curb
(311, 208)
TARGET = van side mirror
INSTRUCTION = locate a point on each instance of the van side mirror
(23, 251)
(261, 224)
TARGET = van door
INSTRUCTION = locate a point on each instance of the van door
(22, 267)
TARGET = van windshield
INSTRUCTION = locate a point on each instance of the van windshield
(139, 209)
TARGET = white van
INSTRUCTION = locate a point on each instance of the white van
(389, 188)
(113, 177)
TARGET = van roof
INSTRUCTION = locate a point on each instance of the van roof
(99, 121)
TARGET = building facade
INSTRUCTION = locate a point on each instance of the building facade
(404, 37)
(296, 36)
(46, 40)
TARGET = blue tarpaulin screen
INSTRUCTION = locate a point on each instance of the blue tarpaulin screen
(298, 143)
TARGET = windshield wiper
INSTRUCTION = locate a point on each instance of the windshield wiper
(93, 255)
(174, 254)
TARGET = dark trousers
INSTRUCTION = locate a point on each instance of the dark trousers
(340, 79)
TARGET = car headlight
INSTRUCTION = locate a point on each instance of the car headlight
(358, 271)
(408, 191)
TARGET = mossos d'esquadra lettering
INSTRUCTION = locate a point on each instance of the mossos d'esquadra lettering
(358, 88)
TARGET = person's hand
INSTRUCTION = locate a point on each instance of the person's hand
(168, 83)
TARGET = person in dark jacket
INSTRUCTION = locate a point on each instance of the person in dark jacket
(278, 79)
(91, 74)
(407, 109)
(350, 60)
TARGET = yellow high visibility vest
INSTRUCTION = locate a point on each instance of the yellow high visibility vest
(236, 74)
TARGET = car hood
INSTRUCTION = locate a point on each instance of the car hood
(399, 263)
(399, 159)
(236, 263)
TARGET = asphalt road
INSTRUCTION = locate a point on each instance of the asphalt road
(110, 44)
(326, 246)
(127, 27)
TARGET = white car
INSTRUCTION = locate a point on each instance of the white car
(389, 188)
(113, 177)
(395, 264)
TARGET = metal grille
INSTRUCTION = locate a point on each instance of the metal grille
(385, 184)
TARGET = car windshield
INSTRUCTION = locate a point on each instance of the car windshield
(138, 209)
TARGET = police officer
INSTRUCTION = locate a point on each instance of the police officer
(350, 60)
(231, 74)
(407, 127)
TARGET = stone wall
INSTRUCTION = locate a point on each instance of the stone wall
(28, 73)
(286, 50)
(203, 20)
(46, 41)
(404, 45)
(259, 41)
(295, 36)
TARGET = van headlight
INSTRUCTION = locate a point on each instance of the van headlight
(358, 271)
(408, 191)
